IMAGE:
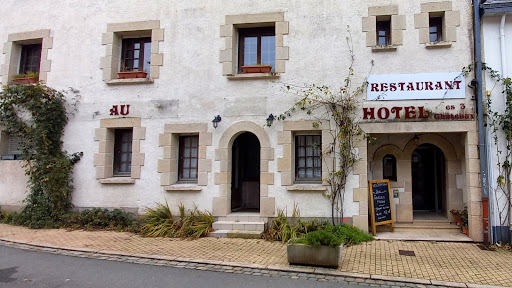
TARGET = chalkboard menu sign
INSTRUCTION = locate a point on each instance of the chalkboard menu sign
(380, 204)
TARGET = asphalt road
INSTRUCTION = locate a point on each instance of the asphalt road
(23, 268)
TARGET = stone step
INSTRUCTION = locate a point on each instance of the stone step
(421, 227)
(236, 234)
(243, 217)
(245, 225)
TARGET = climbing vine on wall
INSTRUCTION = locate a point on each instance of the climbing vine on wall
(37, 114)
(339, 106)
(500, 123)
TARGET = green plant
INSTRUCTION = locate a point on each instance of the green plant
(98, 218)
(38, 115)
(28, 74)
(462, 216)
(319, 238)
(159, 222)
(349, 235)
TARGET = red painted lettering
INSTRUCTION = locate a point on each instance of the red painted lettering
(401, 85)
(410, 87)
(410, 112)
(439, 86)
(448, 84)
(396, 110)
(418, 86)
(368, 112)
(428, 86)
(383, 87)
(457, 83)
(392, 87)
(421, 113)
(375, 87)
(386, 113)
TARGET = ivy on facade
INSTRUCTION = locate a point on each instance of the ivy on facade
(37, 114)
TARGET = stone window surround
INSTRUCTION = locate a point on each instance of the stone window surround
(398, 23)
(286, 164)
(168, 166)
(222, 203)
(12, 51)
(112, 40)
(104, 159)
(451, 21)
(229, 55)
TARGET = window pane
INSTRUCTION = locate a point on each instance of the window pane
(268, 51)
(122, 152)
(188, 161)
(250, 50)
(308, 162)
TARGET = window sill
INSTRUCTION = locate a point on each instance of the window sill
(117, 180)
(384, 48)
(306, 188)
(431, 45)
(129, 81)
(249, 76)
(183, 188)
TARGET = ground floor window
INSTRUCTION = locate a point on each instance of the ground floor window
(123, 152)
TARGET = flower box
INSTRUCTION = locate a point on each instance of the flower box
(25, 80)
(131, 74)
(257, 69)
(314, 255)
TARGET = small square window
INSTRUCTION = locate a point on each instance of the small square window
(188, 151)
(383, 32)
(11, 149)
(257, 46)
(308, 158)
(30, 58)
(389, 167)
(136, 55)
(436, 28)
(123, 152)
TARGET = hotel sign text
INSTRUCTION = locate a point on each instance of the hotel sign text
(416, 86)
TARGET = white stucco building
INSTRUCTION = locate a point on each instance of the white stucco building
(151, 139)
(496, 37)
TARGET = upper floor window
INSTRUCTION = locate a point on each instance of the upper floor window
(123, 152)
(308, 158)
(136, 54)
(436, 28)
(383, 32)
(30, 58)
(257, 46)
(389, 167)
(188, 149)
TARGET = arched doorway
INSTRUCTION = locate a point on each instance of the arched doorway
(245, 180)
(428, 180)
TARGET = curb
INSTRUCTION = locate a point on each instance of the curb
(278, 268)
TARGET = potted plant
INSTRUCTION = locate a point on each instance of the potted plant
(27, 78)
(462, 219)
(317, 248)
(125, 73)
(259, 68)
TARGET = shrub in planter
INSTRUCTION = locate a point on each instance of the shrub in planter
(318, 248)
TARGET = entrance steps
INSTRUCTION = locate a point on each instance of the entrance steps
(423, 230)
(248, 225)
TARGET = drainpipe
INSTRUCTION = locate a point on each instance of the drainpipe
(480, 113)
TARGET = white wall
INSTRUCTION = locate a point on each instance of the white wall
(191, 84)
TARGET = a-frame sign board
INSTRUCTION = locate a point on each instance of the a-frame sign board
(381, 208)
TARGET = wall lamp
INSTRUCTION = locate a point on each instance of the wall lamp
(270, 120)
(216, 121)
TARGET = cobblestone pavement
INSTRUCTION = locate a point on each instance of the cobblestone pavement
(378, 263)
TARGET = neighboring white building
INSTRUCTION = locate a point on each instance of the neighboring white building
(496, 37)
(151, 139)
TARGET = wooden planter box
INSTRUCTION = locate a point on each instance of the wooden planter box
(314, 255)
(131, 74)
(257, 69)
(25, 80)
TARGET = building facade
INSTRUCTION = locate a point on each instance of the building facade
(151, 139)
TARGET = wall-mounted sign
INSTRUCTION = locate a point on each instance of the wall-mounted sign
(413, 112)
(120, 109)
(416, 86)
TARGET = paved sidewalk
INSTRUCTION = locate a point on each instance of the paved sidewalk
(436, 262)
